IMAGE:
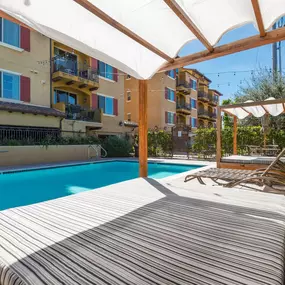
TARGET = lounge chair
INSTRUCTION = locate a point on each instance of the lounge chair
(273, 175)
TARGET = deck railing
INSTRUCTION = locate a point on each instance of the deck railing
(77, 112)
(72, 67)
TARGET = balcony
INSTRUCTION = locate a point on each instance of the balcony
(203, 114)
(212, 116)
(92, 118)
(183, 108)
(213, 101)
(183, 86)
(203, 96)
(71, 73)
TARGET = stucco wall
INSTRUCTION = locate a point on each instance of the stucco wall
(116, 90)
(157, 104)
(19, 119)
(27, 64)
(26, 155)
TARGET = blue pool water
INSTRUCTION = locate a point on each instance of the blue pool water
(29, 187)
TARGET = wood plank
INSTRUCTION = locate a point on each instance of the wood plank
(234, 47)
(143, 128)
(258, 17)
(175, 7)
(219, 137)
(247, 166)
(112, 22)
(235, 136)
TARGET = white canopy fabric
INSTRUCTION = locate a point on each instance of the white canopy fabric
(257, 111)
(67, 22)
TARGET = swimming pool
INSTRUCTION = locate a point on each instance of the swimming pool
(29, 187)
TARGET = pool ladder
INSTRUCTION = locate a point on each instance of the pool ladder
(98, 149)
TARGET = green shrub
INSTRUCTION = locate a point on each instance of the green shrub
(117, 147)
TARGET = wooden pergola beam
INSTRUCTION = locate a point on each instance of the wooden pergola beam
(253, 104)
(258, 17)
(115, 24)
(234, 47)
(175, 7)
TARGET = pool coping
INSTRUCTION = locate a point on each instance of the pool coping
(26, 168)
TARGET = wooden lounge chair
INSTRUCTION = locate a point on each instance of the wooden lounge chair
(273, 175)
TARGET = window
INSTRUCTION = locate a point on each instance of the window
(171, 73)
(194, 122)
(194, 84)
(193, 104)
(106, 70)
(9, 33)
(9, 86)
(64, 97)
(106, 104)
(170, 94)
(129, 117)
(170, 118)
(128, 95)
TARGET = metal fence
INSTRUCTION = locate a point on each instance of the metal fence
(32, 134)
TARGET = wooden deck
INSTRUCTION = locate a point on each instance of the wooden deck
(140, 232)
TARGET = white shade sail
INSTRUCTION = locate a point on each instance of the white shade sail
(152, 20)
(258, 110)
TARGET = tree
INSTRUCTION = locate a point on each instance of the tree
(228, 120)
(262, 85)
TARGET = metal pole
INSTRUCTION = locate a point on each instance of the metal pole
(274, 54)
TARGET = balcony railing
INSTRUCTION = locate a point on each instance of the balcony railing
(77, 112)
(183, 106)
(212, 115)
(203, 113)
(203, 95)
(213, 100)
(72, 67)
(183, 83)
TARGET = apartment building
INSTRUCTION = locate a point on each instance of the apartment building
(204, 114)
(47, 88)
(24, 84)
(90, 92)
(161, 100)
(187, 96)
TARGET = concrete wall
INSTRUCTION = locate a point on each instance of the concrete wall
(26, 155)
(27, 64)
(19, 119)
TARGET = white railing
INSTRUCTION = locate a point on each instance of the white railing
(98, 150)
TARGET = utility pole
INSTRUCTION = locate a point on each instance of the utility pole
(277, 50)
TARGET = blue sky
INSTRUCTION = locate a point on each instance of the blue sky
(228, 83)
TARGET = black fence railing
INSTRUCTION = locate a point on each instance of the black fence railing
(183, 83)
(183, 106)
(77, 112)
(203, 95)
(72, 67)
(203, 113)
(25, 134)
(213, 99)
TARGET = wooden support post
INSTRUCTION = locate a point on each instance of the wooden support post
(235, 135)
(219, 137)
(143, 127)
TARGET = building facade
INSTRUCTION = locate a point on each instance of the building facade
(90, 92)
(47, 88)
(25, 101)
(161, 100)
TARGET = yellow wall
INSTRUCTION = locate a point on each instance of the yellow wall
(27, 64)
(157, 104)
(25, 155)
(19, 119)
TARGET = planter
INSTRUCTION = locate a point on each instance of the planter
(26, 155)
